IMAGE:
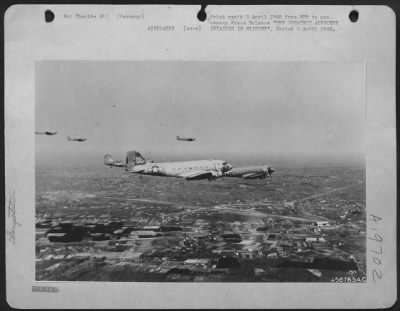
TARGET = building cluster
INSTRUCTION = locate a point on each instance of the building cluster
(297, 227)
(191, 242)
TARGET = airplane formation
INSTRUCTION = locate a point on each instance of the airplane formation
(49, 133)
(81, 139)
(191, 170)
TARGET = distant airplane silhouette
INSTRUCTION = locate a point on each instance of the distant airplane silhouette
(108, 160)
(185, 138)
(45, 133)
(76, 139)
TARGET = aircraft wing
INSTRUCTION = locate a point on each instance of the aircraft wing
(200, 174)
(253, 175)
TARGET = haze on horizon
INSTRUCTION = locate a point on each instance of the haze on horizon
(243, 112)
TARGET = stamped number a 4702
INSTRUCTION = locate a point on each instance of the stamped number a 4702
(376, 248)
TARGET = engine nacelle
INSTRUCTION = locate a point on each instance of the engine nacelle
(223, 167)
(155, 169)
(218, 173)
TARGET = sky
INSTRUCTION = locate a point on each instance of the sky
(237, 111)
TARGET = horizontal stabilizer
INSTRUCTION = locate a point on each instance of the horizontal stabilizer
(108, 160)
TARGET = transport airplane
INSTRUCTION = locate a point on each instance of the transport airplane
(185, 138)
(108, 160)
(251, 172)
(191, 170)
(45, 133)
(76, 139)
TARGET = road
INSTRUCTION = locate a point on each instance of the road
(248, 212)
(254, 213)
(325, 193)
(137, 200)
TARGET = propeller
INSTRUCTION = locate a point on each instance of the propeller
(226, 167)
(270, 170)
(155, 169)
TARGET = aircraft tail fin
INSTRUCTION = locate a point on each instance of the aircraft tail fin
(134, 158)
(108, 160)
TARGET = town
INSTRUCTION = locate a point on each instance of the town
(303, 225)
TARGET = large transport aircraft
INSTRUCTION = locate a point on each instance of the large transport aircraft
(251, 172)
(108, 160)
(76, 139)
(191, 170)
(45, 133)
(185, 138)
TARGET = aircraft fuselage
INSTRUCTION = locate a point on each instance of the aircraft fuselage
(191, 170)
(185, 138)
(251, 172)
(186, 169)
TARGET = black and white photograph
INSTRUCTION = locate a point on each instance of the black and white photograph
(200, 156)
(200, 171)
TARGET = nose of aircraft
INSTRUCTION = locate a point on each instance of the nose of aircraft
(271, 170)
(227, 167)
